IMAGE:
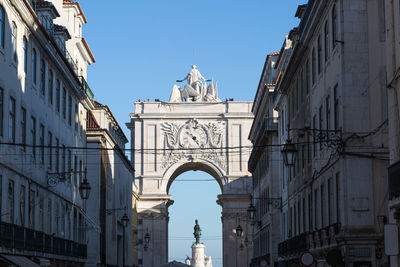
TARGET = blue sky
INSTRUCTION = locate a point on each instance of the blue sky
(142, 47)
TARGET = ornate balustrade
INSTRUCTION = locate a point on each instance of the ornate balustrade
(17, 237)
(310, 240)
(294, 245)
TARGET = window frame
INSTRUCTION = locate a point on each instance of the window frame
(34, 66)
(2, 26)
(14, 41)
(25, 50)
(11, 119)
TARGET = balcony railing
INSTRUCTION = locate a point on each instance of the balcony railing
(17, 237)
(294, 245)
(309, 240)
(48, 25)
(86, 89)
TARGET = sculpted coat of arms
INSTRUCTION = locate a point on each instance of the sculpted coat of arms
(193, 140)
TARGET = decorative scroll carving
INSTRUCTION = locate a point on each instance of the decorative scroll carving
(193, 140)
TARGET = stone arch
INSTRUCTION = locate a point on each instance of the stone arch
(165, 138)
(195, 165)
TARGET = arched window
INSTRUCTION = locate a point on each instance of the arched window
(25, 47)
(34, 65)
(2, 25)
(14, 41)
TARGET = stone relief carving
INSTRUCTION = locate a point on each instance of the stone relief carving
(193, 140)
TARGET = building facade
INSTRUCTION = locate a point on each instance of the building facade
(263, 164)
(332, 104)
(392, 17)
(43, 104)
(111, 194)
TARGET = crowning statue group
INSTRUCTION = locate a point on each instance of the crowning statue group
(196, 90)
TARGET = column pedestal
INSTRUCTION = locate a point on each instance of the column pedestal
(198, 255)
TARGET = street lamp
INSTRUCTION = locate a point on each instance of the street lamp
(251, 211)
(289, 153)
(124, 221)
(239, 230)
(147, 238)
(84, 188)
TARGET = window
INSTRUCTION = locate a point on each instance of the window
(310, 212)
(25, 48)
(319, 54)
(33, 136)
(58, 86)
(301, 86)
(307, 78)
(10, 202)
(31, 213)
(321, 205)
(303, 206)
(63, 159)
(2, 25)
(296, 96)
(63, 215)
(69, 162)
(330, 202)
(41, 140)
(328, 114)
(50, 150)
(51, 77)
(336, 107)
(64, 102)
(14, 41)
(326, 41)
(76, 171)
(56, 219)
(313, 65)
(76, 117)
(23, 126)
(42, 77)
(320, 126)
(80, 172)
(337, 197)
(315, 208)
(11, 120)
(22, 205)
(41, 214)
(315, 135)
(1, 109)
(34, 66)
(49, 219)
(57, 155)
(69, 110)
(334, 26)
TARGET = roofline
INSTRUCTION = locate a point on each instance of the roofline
(68, 2)
(88, 49)
(99, 105)
(261, 77)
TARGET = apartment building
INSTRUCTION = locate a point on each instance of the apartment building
(44, 99)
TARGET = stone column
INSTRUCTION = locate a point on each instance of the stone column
(198, 255)
(234, 209)
(153, 213)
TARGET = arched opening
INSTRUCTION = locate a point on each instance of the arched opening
(194, 194)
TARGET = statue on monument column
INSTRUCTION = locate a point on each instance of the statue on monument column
(197, 232)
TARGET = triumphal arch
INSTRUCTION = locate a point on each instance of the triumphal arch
(194, 130)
